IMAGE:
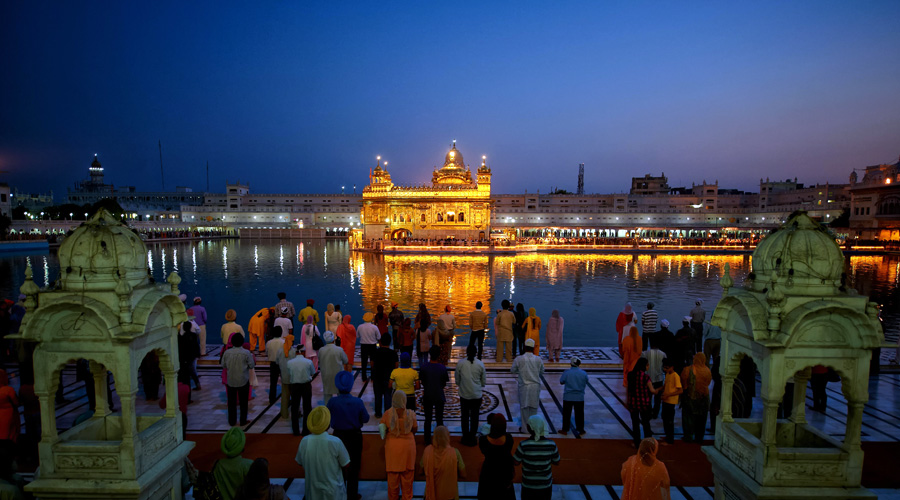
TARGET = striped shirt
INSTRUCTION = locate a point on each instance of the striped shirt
(536, 458)
(649, 320)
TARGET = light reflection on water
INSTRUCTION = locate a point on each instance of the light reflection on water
(588, 290)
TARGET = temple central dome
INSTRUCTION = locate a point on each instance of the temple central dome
(454, 170)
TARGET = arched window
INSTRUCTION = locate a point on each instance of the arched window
(462, 217)
(401, 218)
(395, 217)
(450, 218)
(440, 217)
(423, 217)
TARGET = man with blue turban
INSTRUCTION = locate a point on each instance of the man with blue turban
(348, 414)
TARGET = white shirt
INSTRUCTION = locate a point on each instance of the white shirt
(272, 348)
(285, 324)
(368, 333)
(654, 367)
(322, 457)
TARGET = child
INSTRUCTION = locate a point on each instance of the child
(671, 390)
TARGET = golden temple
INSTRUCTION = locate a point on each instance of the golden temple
(456, 205)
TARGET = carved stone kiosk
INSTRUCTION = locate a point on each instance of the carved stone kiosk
(106, 310)
(792, 313)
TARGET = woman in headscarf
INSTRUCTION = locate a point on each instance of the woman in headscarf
(9, 409)
(398, 426)
(347, 333)
(332, 318)
(442, 465)
(695, 380)
(645, 477)
(307, 333)
(519, 329)
(625, 317)
(446, 324)
(496, 479)
(631, 352)
(532, 326)
(257, 486)
(554, 336)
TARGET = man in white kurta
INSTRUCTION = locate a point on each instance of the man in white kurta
(331, 360)
(322, 457)
(529, 369)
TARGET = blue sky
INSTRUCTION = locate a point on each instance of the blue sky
(301, 96)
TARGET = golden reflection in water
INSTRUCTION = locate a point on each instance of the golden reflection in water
(883, 268)
(436, 281)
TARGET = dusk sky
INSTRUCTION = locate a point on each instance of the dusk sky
(299, 97)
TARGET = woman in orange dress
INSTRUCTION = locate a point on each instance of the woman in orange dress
(398, 426)
(645, 477)
(347, 333)
(532, 326)
(631, 351)
(443, 465)
(9, 409)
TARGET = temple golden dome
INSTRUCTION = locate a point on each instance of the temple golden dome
(454, 170)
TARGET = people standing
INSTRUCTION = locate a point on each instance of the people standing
(406, 380)
(434, 379)
(819, 382)
(332, 359)
(671, 391)
(478, 323)
(283, 302)
(229, 472)
(624, 318)
(656, 373)
(397, 427)
(348, 415)
(695, 400)
(631, 351)
(396, 319)
(332, 318)
(347, 334)
(188, 352)
(698, 316)
(151, 374)
(285, 322)
(529, 370)
(639, 402)
(470, 377)
(386, 361)
(201, 319)
(666, 339)
(230, 327)
(504, 326)
(407, 337)
(443, 466)
(274, 349)
(323, 458)
(309, 311)
(369, 335)
(423, 318)
(381, 321)
(683, 345)
(643, 476)
(495, 482)
(649, 321)
(532, 327)
(537, 454)
(256, 329)
(554, 336)
(9, 410)
(237, 362)
(575, 379)
(446, 324)
(300, 372)
(424, 337)
(307, 339)
(519, 347)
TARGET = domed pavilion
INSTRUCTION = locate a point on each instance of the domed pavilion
(792, 313)
(106, 309)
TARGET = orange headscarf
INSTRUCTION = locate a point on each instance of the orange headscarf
(440, 464)
(644, 476)
(347, 333)
(702, 377)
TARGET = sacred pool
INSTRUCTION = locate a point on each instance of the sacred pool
(588, 289)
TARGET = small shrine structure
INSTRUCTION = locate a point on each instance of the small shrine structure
(106, 309)
(793, 312)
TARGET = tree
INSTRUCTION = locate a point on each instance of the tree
(842, 220)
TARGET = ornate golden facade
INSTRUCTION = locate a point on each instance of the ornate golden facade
(456, 205)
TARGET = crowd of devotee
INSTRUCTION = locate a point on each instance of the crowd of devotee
(401, 355)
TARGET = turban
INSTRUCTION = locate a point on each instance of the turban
(343, 381)
(233, 442)
(328, 336)
(529, 343)
(664, 323)
(368, 317)
(575, 361)
(405, 360)
(230, 315)
(319, 419)
(310, 302)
